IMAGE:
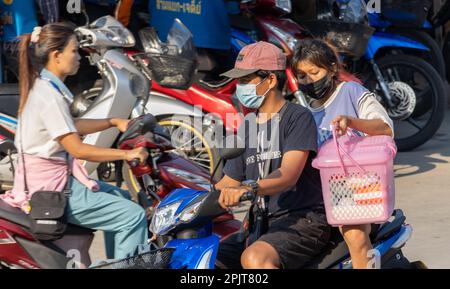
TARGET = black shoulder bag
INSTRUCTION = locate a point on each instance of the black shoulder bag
(48, 208)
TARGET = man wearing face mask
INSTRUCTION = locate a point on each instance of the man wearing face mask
(276, 166)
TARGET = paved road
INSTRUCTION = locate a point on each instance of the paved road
(422, 191)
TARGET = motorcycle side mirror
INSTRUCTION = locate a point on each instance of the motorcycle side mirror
(231, 153)
(236, 149)
(148, 123)
(84, 11)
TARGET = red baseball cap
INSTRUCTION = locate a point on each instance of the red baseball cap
(257, 56)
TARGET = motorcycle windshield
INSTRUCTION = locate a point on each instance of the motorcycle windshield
(181, 38)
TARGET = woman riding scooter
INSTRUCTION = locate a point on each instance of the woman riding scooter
(48, 135)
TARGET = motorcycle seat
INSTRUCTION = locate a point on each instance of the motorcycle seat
(337, 249)
(387, 229)
(14, 215)
(17, 216)
(9, 98)
(242, 22)
(214, 85)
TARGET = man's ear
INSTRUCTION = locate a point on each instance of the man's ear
(273, 81)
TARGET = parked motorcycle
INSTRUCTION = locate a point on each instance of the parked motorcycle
(409, 19)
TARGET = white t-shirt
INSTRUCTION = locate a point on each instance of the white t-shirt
(351, 99)
(45, 117)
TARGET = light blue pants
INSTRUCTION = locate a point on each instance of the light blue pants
(110, 210)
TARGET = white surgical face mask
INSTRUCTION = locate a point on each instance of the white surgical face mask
(246, 93)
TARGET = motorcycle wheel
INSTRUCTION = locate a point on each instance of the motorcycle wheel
(206, 156)
(415, 128)
(434, 56)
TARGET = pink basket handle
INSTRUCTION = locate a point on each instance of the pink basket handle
(340, 149)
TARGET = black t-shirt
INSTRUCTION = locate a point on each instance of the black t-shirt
(297, 131)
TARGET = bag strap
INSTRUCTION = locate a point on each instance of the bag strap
(23, 158)
(268, 162)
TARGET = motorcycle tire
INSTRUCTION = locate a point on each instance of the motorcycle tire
(438, 97)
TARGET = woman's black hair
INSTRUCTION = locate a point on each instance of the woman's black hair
(319, 53)
(34, 56)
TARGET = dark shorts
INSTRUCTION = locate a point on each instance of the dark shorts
(297, 237)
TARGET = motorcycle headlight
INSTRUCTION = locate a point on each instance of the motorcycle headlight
(126, 38)
(284, 5)
(190, 212)
(119, 36)
(190, 177)
(164, 219)
(113, 37)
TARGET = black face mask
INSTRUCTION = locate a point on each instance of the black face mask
(318, 89)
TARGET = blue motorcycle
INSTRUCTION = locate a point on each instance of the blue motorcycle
(405, 67)
(409, 19)
(183, 223)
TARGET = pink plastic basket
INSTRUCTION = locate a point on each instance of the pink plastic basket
(357, 177)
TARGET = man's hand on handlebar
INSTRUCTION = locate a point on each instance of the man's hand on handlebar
(230, 197)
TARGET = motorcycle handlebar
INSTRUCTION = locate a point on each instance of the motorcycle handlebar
(134, 163)
(248, 196)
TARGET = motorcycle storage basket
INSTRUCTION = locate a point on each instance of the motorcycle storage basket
(155, 259)
(350, 39)
(401, 13)
(357, 179)
(171, 71)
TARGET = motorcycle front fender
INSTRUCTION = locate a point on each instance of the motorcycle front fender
(194, 253)
(382, 40)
